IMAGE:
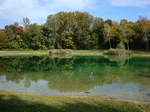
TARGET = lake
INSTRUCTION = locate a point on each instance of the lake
(127, 78)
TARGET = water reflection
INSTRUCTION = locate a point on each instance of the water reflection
(82, 75)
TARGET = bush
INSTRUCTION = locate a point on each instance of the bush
(117, 52)
(60, 52)
(121, 46)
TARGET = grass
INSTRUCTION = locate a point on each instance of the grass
(25, 52)
(141, 53)
(18, 102)
(74, 52)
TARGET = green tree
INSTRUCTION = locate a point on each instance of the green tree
(2, 39)
(34, 37)
(91, 41)
(52, 25)
(108, 34)
(111, 34)
(47, 37)
(26, 22)
(14, 36)
(145, 24)
(127, 33)
(97, 28)
(67, 40)
(83, 22)
(77, 30)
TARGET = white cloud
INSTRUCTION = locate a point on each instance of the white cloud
(135, 3)
(15, 10)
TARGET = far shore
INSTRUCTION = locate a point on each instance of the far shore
(74, 53)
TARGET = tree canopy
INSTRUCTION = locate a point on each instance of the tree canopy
(77, 30)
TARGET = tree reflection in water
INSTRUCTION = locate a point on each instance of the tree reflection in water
(76, 74)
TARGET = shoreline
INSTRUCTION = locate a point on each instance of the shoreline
(137, 101)
(25, 101)
(74, 53)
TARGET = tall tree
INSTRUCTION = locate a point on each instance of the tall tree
(126, 33)
(108, 34)
(2, 39)
(53, 24)
(145, 24)
(67, 40)
(82, 24)
(26, 21)
(14, 36)
(78, 30)
(34, 37)
(97, 28)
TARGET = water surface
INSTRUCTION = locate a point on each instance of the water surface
(77, 76)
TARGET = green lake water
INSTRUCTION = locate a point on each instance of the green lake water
(77, 76)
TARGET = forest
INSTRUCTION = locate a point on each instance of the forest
(76, 30)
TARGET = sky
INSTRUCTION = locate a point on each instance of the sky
(37, 10)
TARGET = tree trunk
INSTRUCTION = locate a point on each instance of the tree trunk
(146, 40)
(110, 44)
(128, 46)
(147, 45)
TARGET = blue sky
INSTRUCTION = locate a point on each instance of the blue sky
(37, 10)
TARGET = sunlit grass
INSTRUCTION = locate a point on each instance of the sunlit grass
(74, 52)
(17, 102)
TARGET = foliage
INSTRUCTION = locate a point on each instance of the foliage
(78, 30)
(14, 37)
(26, 21)
(2, 39)
(117, 52)
(60, 52)
(127, 33)
(145, 27)
(111, 33)
(120, 46)
(52, 25)
(67, 40)
(33, 37)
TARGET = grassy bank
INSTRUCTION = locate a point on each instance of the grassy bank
(24, 53)
(46, 52)
(17, 102)
(74, 52)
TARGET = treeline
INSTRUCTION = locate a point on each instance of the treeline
(77, 30)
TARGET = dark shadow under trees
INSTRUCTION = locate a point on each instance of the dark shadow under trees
(15, 104)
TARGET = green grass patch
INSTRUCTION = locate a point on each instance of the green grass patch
(17, 102)
(140, 53)
(74, 52)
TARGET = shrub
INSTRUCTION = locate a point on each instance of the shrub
(117, 52)
(120, 46)
(60, 52)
